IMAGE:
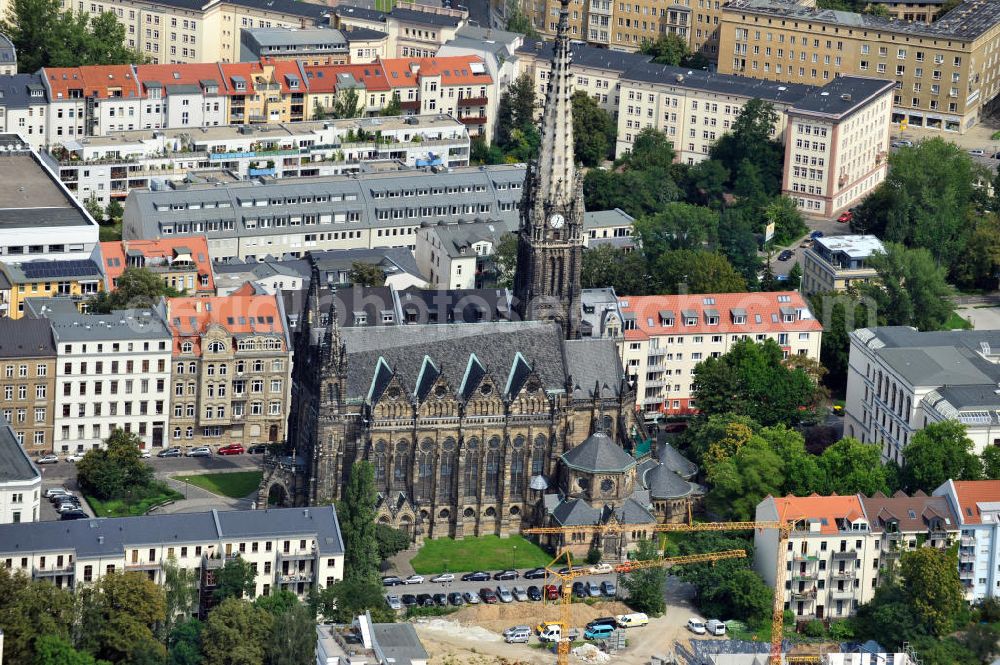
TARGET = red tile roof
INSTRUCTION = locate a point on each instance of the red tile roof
(323, 78)
(763, 313)
(237, 313)
(826, 509)
(970, 493)
(453, 70)
(114, 262)
(95, 81)
(185, 74)
(246, 70)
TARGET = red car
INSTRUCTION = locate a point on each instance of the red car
(845, 217)
(551, 592)
(488, 596)
(231, 449)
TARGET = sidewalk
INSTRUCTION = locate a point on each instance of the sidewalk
(198, 500)
(400, 564)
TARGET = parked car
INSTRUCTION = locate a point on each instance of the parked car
(200, 451)
(73, 458)
(169, 452)
(901, 143)
(471, 597)
(520, 595)
(515, 629)
(73, 515)
(977, 152)
(608, 589)
(601, 569)
(488, 596)
(785, 254)
(257, 449)
(579, 589)
(393, 602)
(504, 594)
(593, 590)
(440, 599)
(47, 459)
(603, 621)
(414, 579)
(534, 593)
(535, 574)
(391, 580)
(715, 627)
(478, 576)
(696, 626)
(816, 234)
(443, 577)
(551, 592)
(425, 600)
(145, 454)
(544, 626)
(232, 449)
(64, 500)
(632, 620)
(455, 598)
(505, 575)
(67, 506)
(54, 491)
(517, 635)
(598, 633)
(409, 600)
(845, 217)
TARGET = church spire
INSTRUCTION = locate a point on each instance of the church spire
(555, 167)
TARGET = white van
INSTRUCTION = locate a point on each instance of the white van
(552, 633)
(517, 635)
(696, 626)
(632, 620)
(716, 627)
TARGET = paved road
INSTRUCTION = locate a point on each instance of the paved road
(461, 587)
(829, 227)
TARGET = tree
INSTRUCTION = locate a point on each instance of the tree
(716, 437)
(56, 650)
(93, 207)
(594, 130)
(180, 591)
(738, 484)
(184, 643)
(642, 182)
(505, 260)
(391, 541)
(983, 641)
(366, 274)
(794, 278)
(236, 579)
(667, 49)
(677, 226)
(293, 637)
(357, 523)
(116, 470)
(991, 462)
(738, 243)
(346, 599)
(347, 103)
(609, 266)
(516, 112)
(645, 587)
(136, 288)
(910, 290)
(851, 467)
(706, 182)
(931, 585)
(236, 633)
(752, 379)
(480, 152)
(117, 617)
(939, 452)
(750, 140)
(114, 211)
(978, 266)
(841, 313)
(696, 271)
(30, 610)
(394, 107)
(518, 21)
(787, 220)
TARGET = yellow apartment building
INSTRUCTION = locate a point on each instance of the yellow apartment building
(78, 280)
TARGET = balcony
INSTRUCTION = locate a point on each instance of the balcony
(809, 594)
(809, 558)
(472, 101)
(966, 557)
(307, 555)
(846, 574)
(804, 576)
(473, 120)
(656, 383)
(52, 571)
(410, 105)
(652, 400)
(296, 576)
(847, 554)
(968, 541)
(842, 594)
(143, 565)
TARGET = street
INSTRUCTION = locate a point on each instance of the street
(461, 587)
(829, 227)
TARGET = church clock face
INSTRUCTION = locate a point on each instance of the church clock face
(556, 221)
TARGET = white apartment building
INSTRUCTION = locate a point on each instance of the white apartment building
(289, 548)
(107, 167)
(23, 107)
(837, 143)
(665, 337)
(20, 481)
(112, 371)
(899, 380)
(830, 558)
(458, 256)
(833, 263)
(977, 505)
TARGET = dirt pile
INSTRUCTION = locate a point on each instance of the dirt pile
(500, 616)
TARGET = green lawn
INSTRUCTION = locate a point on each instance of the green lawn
(484, 553)
(956, 322)
(235, 484)
(138, 505)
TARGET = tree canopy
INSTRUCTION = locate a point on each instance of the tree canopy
(116, 470)
(645, 587)
(594, 131)
(937, 453)
(911, 290)
(366, 274)
(357, 522)
(136, 288)
(235, 579)
(517, 135)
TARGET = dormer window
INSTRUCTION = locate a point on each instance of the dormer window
(360, 319)
(187, 347)
(712, 317)
(666, 318)
(690, 317)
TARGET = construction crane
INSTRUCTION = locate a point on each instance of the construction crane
(783, 529)
(567, 574)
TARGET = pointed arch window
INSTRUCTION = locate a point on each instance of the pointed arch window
(425, 471)
(539, 452)
(493, 454)
(379, 462)
(446, 469)
(517, 467)
(401, 467)
(472, 468)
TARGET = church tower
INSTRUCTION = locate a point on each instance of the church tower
(550, 236)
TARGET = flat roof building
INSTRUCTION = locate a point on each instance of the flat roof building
(834, 263)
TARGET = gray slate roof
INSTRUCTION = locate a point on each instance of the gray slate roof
(663, 483)
(676, 462)
(26, 338)
(95, 538)
(15, 90)
(8, 54)
(586, 55)
(726, 84)
(14, 462)
(598, 453)
(594, 365)
(843, 95)
(124, 324)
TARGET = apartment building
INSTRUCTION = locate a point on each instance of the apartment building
(40, 219)
(292, 216)
(112, 372)
(976, 504)
(831, 558)
(945, 72)
(899, 380)
(76, 280)
(232, 363)
(109, 167)
(834, 263)
(837, 144)
(190, 96)
(665, 337)
(8, 56)
(414, 31)
(88, 101)
(901, 523)
(294, 549)
(28, 358)
(23, 107)
(459, 256)
(182, 263)
(20, 481)
(314, 46)
(923, 11)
